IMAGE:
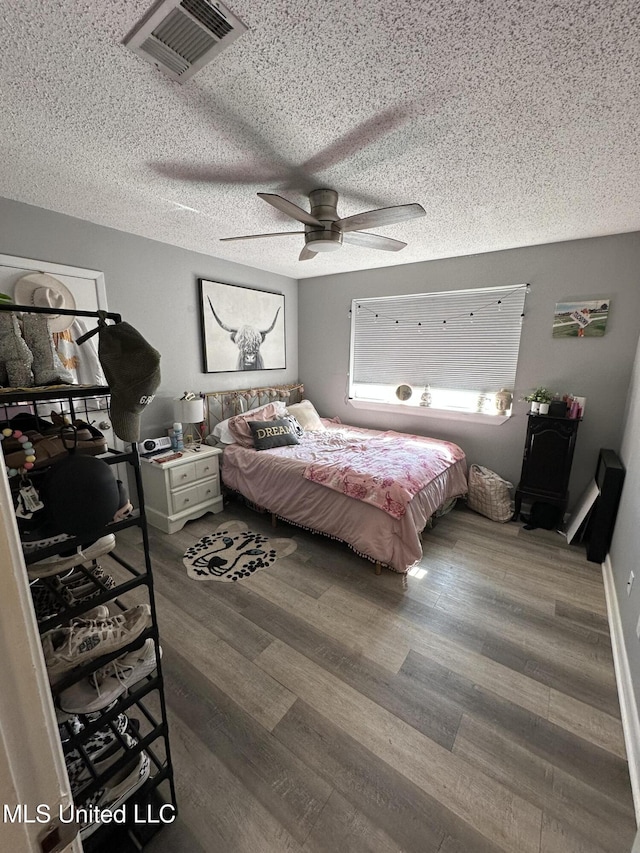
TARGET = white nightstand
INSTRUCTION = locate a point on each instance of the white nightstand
(182, 489)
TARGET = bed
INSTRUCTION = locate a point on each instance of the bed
(373, 490)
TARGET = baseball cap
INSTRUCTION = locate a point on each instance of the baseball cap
(132, 370)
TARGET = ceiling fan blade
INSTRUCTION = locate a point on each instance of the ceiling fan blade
(306, 254)
(373, 241)
(251, 173)
(382, 216)
(289, 208)
(255, 236)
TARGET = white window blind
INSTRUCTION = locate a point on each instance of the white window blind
(466, 340)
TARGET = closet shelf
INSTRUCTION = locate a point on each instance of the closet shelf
(38, 394)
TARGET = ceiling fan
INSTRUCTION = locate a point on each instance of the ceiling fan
(325, 231)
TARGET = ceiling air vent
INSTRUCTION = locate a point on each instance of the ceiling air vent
(179, 37)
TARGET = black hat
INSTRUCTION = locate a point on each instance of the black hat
(81, 495)
(132, 369)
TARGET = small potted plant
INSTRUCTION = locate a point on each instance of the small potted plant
(539, 399)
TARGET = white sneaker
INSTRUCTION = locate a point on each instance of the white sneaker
(97, 614)
(108, 683)
(84, 640)
(116, 791)
(57, 564)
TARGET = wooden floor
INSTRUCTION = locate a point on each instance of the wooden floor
(468, 708)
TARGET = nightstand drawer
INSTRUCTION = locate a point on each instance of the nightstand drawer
(208, 490)
(183, 474)
(185, 498)
(206, 468)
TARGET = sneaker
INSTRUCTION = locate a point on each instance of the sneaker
(73, 725)
(84, 640)
(31, 545)
(69, 725)
(80, 775)
(108, 683)
(83, 575)
(99, 742)
(47, 605)
(101, 613)
(116, 791)
(55, 565)
(79, 586)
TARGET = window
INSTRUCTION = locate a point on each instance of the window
(455, 349)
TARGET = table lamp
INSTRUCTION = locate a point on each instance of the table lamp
(190, 413)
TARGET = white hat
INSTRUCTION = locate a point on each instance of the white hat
(44, 291)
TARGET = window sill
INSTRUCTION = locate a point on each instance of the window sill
(430, 412)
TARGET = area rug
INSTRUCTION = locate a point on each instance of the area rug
(233, 552)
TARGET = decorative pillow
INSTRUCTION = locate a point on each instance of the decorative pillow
(276, 433)
(297, 427)
(306, 414)
(239, 425)
(222, 432)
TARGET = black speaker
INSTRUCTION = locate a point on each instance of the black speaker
(609, 479)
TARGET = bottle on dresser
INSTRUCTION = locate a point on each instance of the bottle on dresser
(178, 436)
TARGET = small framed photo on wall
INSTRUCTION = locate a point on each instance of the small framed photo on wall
(581, 319)
(242, 328)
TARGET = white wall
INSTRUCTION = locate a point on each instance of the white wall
(597, 368)
(154, 287)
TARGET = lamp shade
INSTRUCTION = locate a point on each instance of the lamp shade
(189, 411)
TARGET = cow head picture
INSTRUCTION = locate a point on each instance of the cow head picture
(248, 339)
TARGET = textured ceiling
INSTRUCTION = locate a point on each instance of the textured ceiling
(513, 122)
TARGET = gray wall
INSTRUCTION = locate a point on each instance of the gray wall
(596, 368)
(625, 547)
(154, 287)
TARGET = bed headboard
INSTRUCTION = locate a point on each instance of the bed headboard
(220, 405)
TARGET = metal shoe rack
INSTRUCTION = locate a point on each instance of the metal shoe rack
(144, 702)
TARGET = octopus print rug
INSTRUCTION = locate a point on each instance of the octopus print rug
(233, 552)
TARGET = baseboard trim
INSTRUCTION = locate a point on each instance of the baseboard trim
(628, 705)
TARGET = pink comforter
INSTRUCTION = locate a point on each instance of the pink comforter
(274, 479)
(385, 470)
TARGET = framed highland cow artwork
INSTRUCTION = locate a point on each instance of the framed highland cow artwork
(242, 328)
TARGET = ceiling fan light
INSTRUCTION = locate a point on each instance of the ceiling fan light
(322, 246)
(322, 240)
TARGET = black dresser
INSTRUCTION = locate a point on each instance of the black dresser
(546, 462)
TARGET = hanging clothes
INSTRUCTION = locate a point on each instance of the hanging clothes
(83, 361)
